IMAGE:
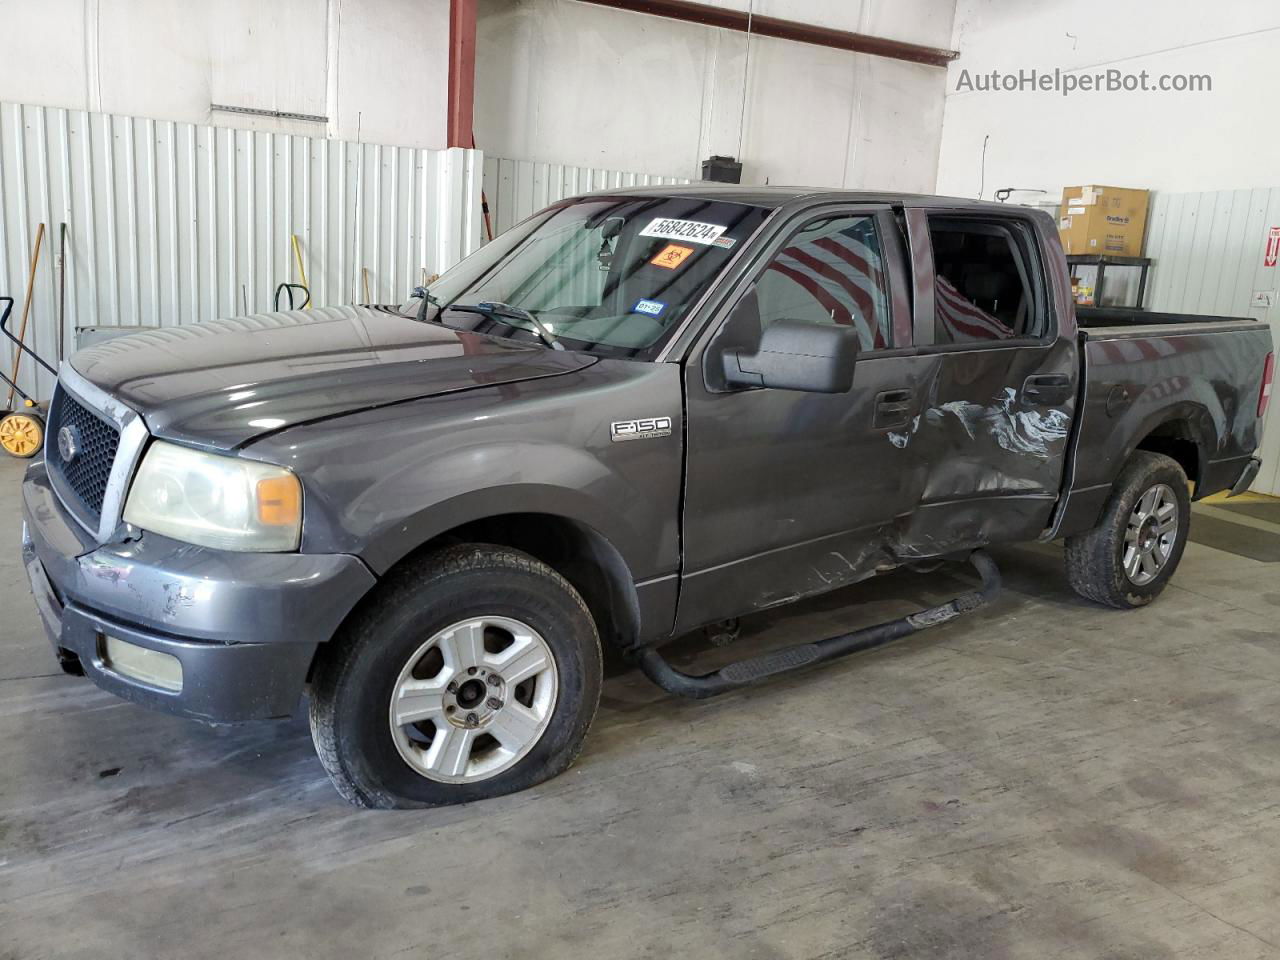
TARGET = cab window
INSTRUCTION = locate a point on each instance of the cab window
(830, 271)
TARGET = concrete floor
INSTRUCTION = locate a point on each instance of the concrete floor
(1046, 780)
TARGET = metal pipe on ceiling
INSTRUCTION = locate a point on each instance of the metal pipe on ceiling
(462, 73)
(785, 29)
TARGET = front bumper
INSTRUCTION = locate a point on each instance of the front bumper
(244, 626)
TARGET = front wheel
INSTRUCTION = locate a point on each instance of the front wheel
(1126, 560)
(470, 674)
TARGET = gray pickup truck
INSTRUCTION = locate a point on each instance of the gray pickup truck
(633, 415)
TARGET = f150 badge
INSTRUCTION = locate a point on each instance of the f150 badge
(646, 428)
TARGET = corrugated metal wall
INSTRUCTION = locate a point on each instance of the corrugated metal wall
(172, 223)
(517, 188)
(1208, 250)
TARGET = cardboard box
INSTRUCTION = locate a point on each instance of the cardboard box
(1103, 220)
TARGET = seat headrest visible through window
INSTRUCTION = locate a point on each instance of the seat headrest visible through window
(986, 285)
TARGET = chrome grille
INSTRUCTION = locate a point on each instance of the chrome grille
(85, 476)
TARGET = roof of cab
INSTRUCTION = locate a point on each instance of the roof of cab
(772, 197)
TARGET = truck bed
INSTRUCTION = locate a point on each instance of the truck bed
(1181, 384)
(1149, 329)
(1088, 318)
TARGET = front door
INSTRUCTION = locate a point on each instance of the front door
(791, 493)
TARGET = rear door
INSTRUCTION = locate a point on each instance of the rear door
(1000, 396)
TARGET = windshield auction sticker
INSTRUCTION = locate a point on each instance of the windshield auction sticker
(672, 255)
(691, 230)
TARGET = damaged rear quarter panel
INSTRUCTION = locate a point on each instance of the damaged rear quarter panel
(1140, 379)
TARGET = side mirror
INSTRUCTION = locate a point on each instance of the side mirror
(794, 355)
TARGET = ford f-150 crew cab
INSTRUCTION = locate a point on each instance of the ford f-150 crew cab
(632, 415)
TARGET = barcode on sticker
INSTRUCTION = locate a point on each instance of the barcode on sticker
(691, 230)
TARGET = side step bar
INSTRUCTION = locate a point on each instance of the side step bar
(754, 669)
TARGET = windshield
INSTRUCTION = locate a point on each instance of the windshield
(611, 275)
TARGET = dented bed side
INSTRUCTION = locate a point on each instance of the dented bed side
(1188, 388)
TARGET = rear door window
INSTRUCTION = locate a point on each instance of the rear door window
(985, 281)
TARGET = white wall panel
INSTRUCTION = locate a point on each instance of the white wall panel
(173, 223)
(566, 81)
(1208, 250)
(1218, 139)
(377, 69)
(517, 188)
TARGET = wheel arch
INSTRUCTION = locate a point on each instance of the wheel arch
(1185, 433)
(574, 548)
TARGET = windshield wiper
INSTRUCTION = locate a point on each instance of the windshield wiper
(494, 308)
(427, 302)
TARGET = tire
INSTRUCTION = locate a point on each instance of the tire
(1096, 560)
(428, 614)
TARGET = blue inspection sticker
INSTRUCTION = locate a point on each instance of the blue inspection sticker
(652, 308)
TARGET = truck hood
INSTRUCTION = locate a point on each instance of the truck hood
(222, 383)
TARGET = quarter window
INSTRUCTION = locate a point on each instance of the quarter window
(830, 271)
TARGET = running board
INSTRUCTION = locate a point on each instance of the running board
(754, 669)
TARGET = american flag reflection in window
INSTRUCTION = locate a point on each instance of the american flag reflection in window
(831, 271)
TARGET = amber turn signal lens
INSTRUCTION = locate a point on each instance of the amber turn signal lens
(280, 501)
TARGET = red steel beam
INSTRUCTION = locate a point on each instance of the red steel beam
(462, 72)
(785, 29)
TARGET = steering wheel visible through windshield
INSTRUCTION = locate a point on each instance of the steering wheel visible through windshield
(610, 275)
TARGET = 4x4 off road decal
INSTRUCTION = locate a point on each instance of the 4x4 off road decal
(646, 428)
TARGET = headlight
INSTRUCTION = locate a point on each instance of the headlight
(215, 501)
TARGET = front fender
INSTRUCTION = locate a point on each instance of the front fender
(391, 542)
(381, 483)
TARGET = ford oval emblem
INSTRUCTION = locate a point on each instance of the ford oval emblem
(68, 443)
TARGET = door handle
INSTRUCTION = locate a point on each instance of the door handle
(1047, 389)
(893, 408)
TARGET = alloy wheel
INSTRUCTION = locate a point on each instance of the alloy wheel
(1150, 535)
(474, 699)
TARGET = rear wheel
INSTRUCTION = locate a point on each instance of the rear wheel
(22, 434)
(470, 674)
(1126, 560)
